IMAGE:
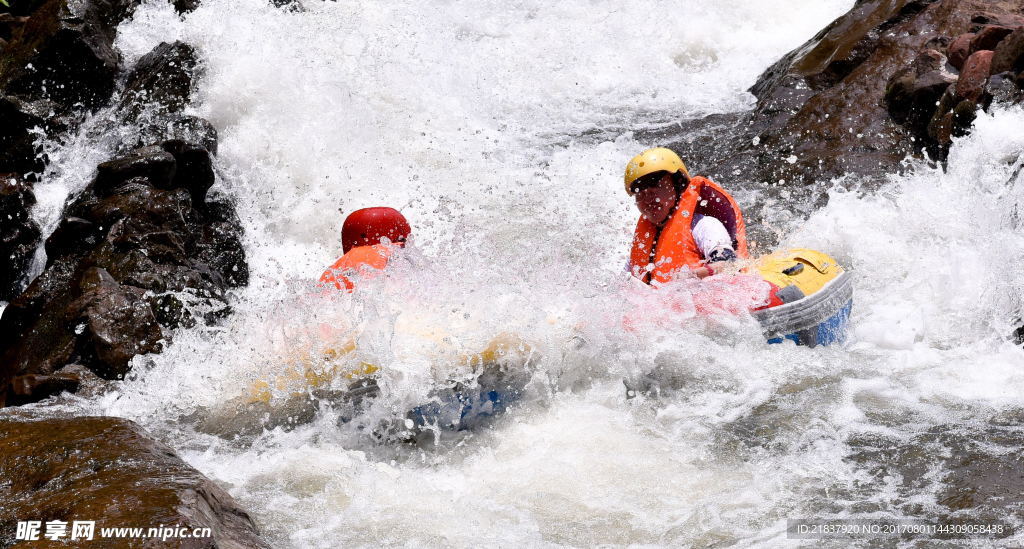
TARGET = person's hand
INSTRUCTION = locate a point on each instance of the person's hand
(703, 272)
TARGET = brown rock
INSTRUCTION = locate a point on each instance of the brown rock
(19, 233)
(995, 16)
(963, 116)
(960, 49)
(1009, 54)
(943, 132)
(822, 103)
(34, 387)
(929, 60)
(989, 37)
(974, 76)
(110, 471)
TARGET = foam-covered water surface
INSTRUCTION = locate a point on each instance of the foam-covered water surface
(487, 124)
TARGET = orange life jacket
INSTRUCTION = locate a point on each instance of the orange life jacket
(363, 261)
(658, 253)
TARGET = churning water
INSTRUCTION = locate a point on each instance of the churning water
(501, 129)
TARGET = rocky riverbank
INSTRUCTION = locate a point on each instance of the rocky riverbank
(865, 93)
(144, 249)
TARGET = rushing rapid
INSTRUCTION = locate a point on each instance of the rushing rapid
(500, 130)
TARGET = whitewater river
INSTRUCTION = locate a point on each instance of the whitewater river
(501, 130)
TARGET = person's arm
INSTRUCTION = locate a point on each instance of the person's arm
(714, 242)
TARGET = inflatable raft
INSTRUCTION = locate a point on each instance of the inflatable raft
(811, 298)
(496, 377)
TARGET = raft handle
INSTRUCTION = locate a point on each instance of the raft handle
(794, 270)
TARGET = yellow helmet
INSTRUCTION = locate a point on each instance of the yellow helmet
(650, 161)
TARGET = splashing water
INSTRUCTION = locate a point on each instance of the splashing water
(501, 129)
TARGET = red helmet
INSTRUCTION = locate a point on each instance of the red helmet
(368, 226)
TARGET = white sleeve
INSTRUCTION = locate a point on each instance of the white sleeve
(710, 234)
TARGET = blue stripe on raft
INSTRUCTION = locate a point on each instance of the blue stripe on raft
(831, 330)
(458, 411)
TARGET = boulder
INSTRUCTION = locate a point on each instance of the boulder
(960, 49)
(161, 81)
(109, 470)
(989, 37)
(153, 164)
(929, 60)
(22, 123)
(925, 97)
(974, 76)
(1009, 54)
(64, 52)
(1001, 87)
(827, 103)
(143, 232)
(19, 234)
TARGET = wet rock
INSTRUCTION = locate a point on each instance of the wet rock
(153, 164)
(960, 49)
(19, 234)
(962, 116)
(929, 60)
(111, 471)
(116, 323)
(989, 37)
(998, 15)
(974, 76)
(161, 81)
(191, 129)
(194, 171)
(99, 324)
(1009, 54)
(64, 52)
(924, 98)
(1002, 88)
(827, 103)
(143, 228)
(941, 130)
(34, 387)
(21, 125)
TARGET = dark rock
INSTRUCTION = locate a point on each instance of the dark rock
(143, 231)
(33, 387)
(190, 129)
(899, 94)
(942, 129)
(960, 50)
(116, 324)
(160, 81)
(989, 37)
(64, 52)
(19, 234)
(974, 75)
(822, 104)
(194, 168)
(71, 235)
(925, 98)
(185, 6)
(1009, 54)
(97, 323)
(220, 246)
(962, 117)
(21, 124)
(996, 16)
(153, 164)
(929, 60)
(1001, 87)
(111, 471)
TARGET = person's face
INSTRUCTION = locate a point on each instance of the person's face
(655, 202)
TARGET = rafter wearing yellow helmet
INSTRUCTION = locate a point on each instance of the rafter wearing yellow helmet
(650, 161)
